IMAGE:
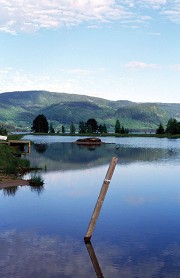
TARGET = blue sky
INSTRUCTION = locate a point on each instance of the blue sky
(114, 49)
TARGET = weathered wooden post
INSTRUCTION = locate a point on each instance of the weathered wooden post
(100, 199)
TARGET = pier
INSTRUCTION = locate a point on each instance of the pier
(22, 145)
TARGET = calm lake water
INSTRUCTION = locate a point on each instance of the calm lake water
(138, 230)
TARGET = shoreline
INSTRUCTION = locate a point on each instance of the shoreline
(131, 135)
(9, 182)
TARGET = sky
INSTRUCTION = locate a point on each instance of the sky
(113, 49)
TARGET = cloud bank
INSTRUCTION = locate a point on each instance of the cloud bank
(29, 16)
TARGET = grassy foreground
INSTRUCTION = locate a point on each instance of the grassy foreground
(10, 165)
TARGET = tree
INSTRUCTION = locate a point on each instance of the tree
(126, 130)
(122, 130)
(72, 128)
(91, 126)
(40, 124)
(51, 129)
(82, 127)
(63, 129)
(178, 127)
(102, 128)
(172, 126)
(160, 129)
(3, 131)
(117, 127)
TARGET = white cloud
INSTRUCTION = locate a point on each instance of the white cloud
(30, 15)
(173, 15)
(141, 65)
(176, 67)
(67, 80)
(168, 8)
(155, 3)
(80, 72)
(97, 82)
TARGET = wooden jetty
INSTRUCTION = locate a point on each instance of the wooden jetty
(19, 144)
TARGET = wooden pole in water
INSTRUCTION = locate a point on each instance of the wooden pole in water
(100, 199)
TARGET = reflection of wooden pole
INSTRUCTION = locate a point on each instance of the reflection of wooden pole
(94, 260)
(100, 199)
(29, 147)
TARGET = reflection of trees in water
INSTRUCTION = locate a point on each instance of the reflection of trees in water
(40, 148)
(36, 183)
(10, 191)
(37, 189)
(62, 156)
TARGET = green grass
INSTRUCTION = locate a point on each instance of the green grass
(15, 136)
(9, 163)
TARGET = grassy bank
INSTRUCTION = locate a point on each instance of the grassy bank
(10, 165)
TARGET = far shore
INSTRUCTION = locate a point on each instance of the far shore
(169, 136)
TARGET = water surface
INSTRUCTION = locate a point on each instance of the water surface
(137, 233)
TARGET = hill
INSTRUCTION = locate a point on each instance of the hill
(20, 108)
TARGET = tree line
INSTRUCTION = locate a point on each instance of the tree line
(172, 128)
(41, 125)
(3, 130)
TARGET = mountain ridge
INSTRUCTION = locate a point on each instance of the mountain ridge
(19, 108)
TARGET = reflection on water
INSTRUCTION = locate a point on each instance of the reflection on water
(31, 255)
(41, 235)
(37, 188)
(94, 259)
(40, 148)
(65, 156)
(10, 190)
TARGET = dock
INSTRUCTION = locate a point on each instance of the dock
(21, 145)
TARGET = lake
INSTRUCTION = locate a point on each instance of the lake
(137, 232)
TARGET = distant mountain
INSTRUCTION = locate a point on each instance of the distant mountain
(20, 108)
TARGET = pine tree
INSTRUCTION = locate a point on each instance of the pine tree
(51, 129)
(117, 127)
(172, 126)
(82, 127)
(63, 129)
(160, 129)
(104, 128)
(72, 129)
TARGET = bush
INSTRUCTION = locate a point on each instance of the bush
(36, 181)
